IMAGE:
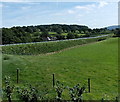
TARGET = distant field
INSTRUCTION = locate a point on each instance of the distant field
(97, 61)
(53, 33)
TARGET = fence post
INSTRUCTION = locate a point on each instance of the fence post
(116, 100)
(53, 80)
(89, 85)
(102, 100)
(17, 75)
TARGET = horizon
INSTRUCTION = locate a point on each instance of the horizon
(91, 14)
(59, 24)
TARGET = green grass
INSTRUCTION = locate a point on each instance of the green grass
(81, 34)
(44, 47)
(64, 34)
(52, 32)
(97, 61)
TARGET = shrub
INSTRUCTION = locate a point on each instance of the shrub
(70, 36)
(76, 93)
(60, 37)
(5, 57)
(31, 94)
(8, 90)
(59, 89)
(27, 94)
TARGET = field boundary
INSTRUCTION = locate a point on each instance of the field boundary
(47, 47)
(77, 46)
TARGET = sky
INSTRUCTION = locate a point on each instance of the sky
(94, 14)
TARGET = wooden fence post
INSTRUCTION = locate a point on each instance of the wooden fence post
(116, 100)
(53, 80)
(102, 100)
(89, 85)
(17, 75)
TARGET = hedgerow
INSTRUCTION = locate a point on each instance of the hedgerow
(45, 47)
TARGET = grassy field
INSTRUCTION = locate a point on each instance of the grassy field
(97, 61)
(53, 34)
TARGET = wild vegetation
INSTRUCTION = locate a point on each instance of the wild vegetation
(31, 94)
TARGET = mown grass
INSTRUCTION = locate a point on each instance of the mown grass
(97, 61)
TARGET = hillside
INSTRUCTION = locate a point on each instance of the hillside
(113, 27)
(40, 33)
(97, 61)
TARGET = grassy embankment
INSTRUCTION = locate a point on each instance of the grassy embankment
(97, 61)
(46, 47)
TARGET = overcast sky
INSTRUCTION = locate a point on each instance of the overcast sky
(95, 14)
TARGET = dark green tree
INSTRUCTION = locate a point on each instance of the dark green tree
(70, 36)
(60, 37)
(59, 31)
(117, 32)
(45, 34)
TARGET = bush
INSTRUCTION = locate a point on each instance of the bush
(8, 90)
(60, 37)
(29, 94)
(76, 93)
(59, 89)
(5, 57)
(70, 36)
(117, 32)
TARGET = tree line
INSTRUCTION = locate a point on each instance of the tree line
(39, 33)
